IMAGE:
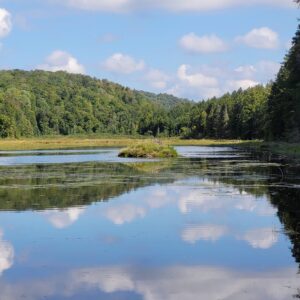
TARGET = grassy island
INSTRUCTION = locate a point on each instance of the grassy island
(149, 150)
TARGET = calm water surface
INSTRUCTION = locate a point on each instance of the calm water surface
(216, 223)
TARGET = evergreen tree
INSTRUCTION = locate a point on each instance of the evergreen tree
(284, 101)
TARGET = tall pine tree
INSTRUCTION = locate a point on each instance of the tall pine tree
(284, 101)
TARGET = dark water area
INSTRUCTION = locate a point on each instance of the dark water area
(216, 223)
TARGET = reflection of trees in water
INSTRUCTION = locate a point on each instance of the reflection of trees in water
(279, 184)
(61, 186)
(287, 200)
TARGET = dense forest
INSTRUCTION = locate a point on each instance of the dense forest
(44, 103)
(38, 103)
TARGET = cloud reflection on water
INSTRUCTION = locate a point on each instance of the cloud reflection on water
(168, 283)
(63, 218)
(6, 254)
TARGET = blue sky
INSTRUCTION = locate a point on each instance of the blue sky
(190, 48)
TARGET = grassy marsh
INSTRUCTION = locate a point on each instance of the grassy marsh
(153, 149)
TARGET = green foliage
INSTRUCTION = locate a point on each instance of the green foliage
(149, 150)
(6, 126)
(284, 101)
(40, 103)
(239, 115)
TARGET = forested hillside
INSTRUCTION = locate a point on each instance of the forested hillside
(44, 103)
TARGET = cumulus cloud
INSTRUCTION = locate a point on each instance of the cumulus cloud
(207, 232)
(246, 70)
(124, 213)
(207, 81)
(123, 64)
(5, 22)
(263, 71)
(6, 254)
(202, 44)
(262, 238)
(264, 38)
(62, 61)
(241, 84)
(196, 79)
(123, 6)
(157, 78)
(63, 218)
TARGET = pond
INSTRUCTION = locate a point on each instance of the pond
(216, 223)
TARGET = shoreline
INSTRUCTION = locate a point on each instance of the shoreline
(76, 142)
(47, 143)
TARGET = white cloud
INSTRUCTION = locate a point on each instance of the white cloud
(246, 71)
(207, 232)
(241, 84)
(207, 81)
(262, 72)
(196, 79)
(200, 5)
(5, 22)
(6, 254)
(123, 64)
(121, 6)
(262, 238)
(63, 218)
(124, 213)
(264, 38)
(62, 61)
(157, 79)
(267, 69)
(202, 44)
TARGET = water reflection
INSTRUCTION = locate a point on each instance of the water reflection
(262, 238)
(63, 218)
(6, 254)
(207, 232)
(157, 230)
(125, 213)
(179, 282)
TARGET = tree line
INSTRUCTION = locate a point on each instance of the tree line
(38, 103)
